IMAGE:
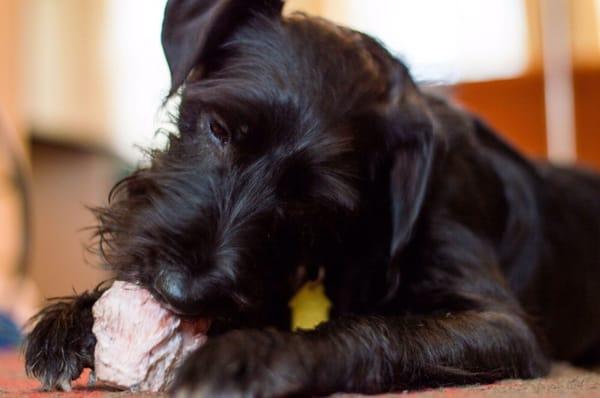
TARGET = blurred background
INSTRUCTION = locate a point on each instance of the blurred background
(81, 85)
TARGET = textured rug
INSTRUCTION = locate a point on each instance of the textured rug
(564, 382)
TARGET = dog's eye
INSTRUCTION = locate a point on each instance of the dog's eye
(219, 131)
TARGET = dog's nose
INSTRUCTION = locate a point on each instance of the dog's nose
(172, 286)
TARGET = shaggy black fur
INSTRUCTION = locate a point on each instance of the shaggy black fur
(449, 257)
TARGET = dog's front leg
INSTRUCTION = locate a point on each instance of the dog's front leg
(61, 343)
(364, 355)
(375, 354)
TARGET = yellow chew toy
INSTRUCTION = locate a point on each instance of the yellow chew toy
(310, 306)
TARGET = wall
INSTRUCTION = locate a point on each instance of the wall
(65, 85)
(11, 14)
(61, 192)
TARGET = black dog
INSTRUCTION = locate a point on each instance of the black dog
(301, 145)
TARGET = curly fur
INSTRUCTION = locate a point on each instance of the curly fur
(450, 258)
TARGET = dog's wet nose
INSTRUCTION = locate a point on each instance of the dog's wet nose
(172, 287)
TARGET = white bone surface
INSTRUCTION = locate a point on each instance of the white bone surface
(140, 343)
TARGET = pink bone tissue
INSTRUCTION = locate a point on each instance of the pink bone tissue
(140, 343)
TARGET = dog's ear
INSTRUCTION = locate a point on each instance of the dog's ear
(411, 144)
(192, 28)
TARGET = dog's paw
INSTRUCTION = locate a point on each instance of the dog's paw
(61, 344)
(245, 364)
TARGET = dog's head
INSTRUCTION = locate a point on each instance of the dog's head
(292, 133)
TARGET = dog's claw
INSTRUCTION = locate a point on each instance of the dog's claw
(92, 379)
(187, 394)
(62, 383)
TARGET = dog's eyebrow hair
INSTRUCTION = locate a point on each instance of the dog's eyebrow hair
(231, 92)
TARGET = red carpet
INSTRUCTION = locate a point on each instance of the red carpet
(565, 382)
(14, 383)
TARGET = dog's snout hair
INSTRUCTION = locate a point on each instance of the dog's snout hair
(186, 226)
